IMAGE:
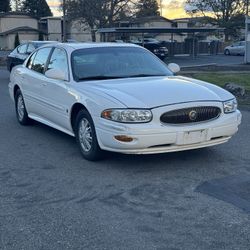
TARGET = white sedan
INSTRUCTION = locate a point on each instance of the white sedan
(122, 98)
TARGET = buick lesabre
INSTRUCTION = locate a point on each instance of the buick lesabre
(122, 98)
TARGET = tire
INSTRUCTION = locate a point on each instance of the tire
(86, 137)
(21, 112)
(227, 52)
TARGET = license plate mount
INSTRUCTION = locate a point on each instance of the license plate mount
(192, 137)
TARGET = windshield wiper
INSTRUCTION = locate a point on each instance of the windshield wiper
(101, 77)
(144, 75)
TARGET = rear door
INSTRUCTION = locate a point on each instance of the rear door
(33, 81)
(235, 49)
(242, 48)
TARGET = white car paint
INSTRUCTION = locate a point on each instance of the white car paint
(50, 101)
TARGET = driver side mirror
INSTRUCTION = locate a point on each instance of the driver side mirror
(56, 74)
(175, 68)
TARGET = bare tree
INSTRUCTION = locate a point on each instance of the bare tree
(97, 13)
(220, 12)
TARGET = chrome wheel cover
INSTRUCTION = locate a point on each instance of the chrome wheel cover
(85, 135)
(20, 107)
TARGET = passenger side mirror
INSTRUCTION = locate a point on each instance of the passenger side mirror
(56, 74)
(174, 67)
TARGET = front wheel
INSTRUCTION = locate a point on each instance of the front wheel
(86, 137)
(21, 112)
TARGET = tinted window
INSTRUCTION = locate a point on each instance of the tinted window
(30, 48)
(22, 49)
(58, 60)
(40, 60)
(116, 62)
(236, 44)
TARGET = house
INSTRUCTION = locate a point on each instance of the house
(154, 22)
(52, 27)
(19, 23)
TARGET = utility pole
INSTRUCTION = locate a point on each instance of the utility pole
(64, 22)
(161, 7)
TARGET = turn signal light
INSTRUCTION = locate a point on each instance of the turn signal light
(123, 138)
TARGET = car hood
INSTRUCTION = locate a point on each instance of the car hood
(150, 92)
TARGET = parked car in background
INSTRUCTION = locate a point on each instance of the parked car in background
(155, 46)
(121, 98)
(71, 41)
(21, 52)
(237, 48)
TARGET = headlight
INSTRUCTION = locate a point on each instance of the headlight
(127, 115)
(156, 50)
(230, 106)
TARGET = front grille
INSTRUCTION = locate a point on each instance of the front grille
(190, 115)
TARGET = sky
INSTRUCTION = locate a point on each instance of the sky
(173, 9)
(170, 8)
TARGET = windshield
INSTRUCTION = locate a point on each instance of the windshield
(116, 62)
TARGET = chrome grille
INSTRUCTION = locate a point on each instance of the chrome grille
(191, 115)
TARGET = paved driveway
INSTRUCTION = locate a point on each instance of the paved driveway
(51, 198)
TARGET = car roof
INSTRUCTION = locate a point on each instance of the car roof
(95, 45)
(43, 41)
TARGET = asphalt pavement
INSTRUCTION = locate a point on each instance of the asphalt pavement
(203, 60)
(51, 198)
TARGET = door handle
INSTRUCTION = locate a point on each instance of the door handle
(44, 84)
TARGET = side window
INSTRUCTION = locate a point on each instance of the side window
(40, 60)
(30, 61)
(58, 60)
(30, 48)
(22, 49)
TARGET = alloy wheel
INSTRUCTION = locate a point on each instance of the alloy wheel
(85, 135)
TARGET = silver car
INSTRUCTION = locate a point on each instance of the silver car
(237, 48)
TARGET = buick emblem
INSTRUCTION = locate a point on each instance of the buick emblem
(192, 115)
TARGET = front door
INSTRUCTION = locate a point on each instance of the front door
(55, 92)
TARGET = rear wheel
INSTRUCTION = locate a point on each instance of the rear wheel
(21, 112)
(86, 137)
(227, 52)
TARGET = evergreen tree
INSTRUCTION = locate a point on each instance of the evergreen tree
(147, 8)
(37, 8)
(4, 5)
(40, 37)
(16, 42)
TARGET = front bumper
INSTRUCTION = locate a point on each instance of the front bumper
(155, 137)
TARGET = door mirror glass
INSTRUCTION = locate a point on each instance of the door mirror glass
(55, 74)
(174, 67)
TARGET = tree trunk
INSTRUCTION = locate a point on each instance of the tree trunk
(93, 35)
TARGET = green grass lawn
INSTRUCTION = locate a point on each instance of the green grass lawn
(221, 78)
